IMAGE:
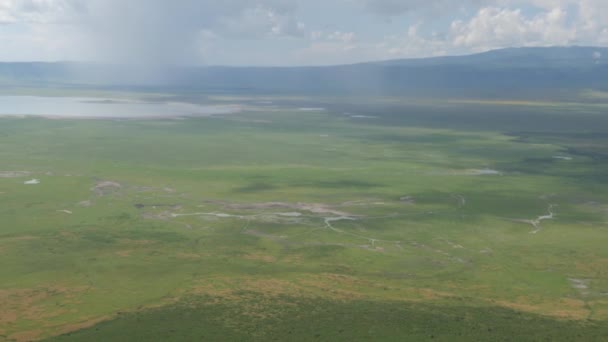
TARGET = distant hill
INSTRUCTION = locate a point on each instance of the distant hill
(534, 57)
(517, 71)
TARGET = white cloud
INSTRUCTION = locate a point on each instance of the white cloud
(412, 44)
(260, 22)
(398, 7)
(334, 36)
(555, 23)
(193, 31)
(500, 27)
(334, 47)
(37, 11)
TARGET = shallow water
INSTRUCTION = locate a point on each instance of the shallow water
(311, 109)
(79, 107)
(483, 172)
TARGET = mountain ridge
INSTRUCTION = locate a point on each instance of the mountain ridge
(515, 70)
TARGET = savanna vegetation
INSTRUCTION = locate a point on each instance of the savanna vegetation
(308, 219)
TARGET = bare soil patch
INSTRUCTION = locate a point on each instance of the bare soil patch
(315, 208)
(27, 305)
(105, 188)
(85, 204)
(82, 325)
(26, 336)
(124, 254)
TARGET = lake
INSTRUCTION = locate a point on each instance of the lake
(80, 107)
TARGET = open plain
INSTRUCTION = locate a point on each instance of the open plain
(300, 218)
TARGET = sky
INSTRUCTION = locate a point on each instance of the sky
(287, 32)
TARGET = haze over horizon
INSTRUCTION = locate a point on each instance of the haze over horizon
(287, 33)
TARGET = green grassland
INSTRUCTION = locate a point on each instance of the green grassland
(282, 224)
